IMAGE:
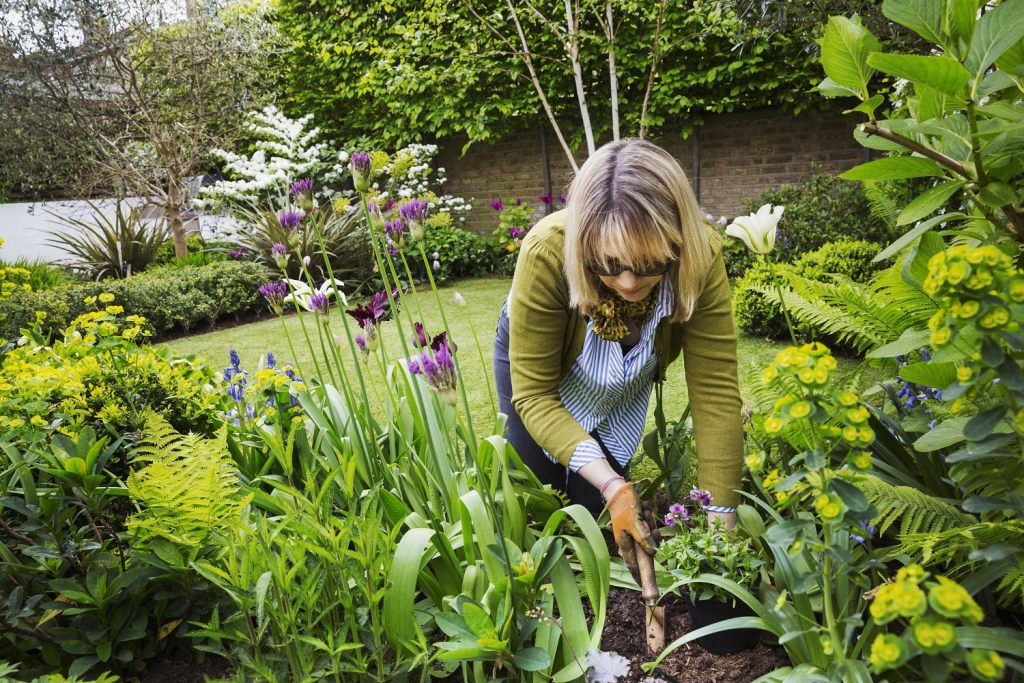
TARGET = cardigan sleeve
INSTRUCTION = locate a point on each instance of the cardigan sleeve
(538, 309)
(709, 362)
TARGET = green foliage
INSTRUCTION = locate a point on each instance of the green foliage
(461, 253)
(200, 252)
(186, 486)
(755, 298)
(170, 298)
(111, 246)
(406, 71)
(961, 109)
(916, 512)
(819, 211)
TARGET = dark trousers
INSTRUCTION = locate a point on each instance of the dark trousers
(578, 489)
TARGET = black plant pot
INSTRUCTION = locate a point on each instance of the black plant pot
(711, 611)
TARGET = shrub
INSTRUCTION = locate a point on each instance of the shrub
(461, 253)
(200, 252)
(759, 317)
(170, 298)
(820, 210)
(111, 247)
(41, 275)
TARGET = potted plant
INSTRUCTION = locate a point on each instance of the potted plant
(700, 547)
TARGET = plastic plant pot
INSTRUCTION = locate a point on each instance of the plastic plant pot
(711, 611)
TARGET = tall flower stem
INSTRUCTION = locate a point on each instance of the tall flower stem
(483, 364)
(782, 298)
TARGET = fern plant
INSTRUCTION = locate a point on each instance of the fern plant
(188, 490)
(915, 511)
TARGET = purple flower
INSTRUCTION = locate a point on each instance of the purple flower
(290, 220)
(389, 204)
(361, 343)
(670, 520)
(436, 265)
(238, 253)
(274, 293)
(236, 391)
(515, 233)
(360, 166)
(278, 250)
(546, 198)
(373, 311)
(419, 337)
(497, 204)
(700, 496)
(271, 360)
(395, 230)
(562, 199)
(392, 249)
(437, 368)
(236, 362)
(413, 213)
(414, 367)
(319, 303)
(519, 202)
(677, 509)
(302, 186)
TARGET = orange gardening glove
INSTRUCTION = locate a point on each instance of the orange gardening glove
(632, 524)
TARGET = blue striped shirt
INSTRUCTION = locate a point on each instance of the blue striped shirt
(610, 391)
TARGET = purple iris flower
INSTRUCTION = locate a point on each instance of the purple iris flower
(516, 233)
(373, 311)
(546, 198)
(419, 337)
(497, 204)
(290, 220)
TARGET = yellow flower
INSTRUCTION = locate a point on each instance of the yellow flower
(1015, 289)
(265, 374)
(15, 423)
(898, 599)
(820, 375)
(771, 479)
(115, 310)
(957, 272)
(937, 320)
(851, 433)
(933, 636)
(755, 460)
(830, 507)
(89, 300)
(986, 665)
(815, 349)
(773, 425)
(106, 297)
(941, 336)
(769, 374)
(963, 374)
(40, 317)
(857, 415)
(38, 421)
(847, 398)
(860, 460)
(806, 376)
(800, 409)
(969, 308)
(913, 573)
(782, 402)
(950, 599)
(887, 652)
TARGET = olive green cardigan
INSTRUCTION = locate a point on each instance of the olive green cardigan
(546, 337)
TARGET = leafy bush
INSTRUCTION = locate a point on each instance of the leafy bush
(171, 299)
(42, 275)
(820, 210)
(200, 252)
(117, 247)
(759, 316)
(461, 253)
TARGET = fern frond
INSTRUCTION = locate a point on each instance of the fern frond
(916, 511)
(881, 204)
(188, 489)
(916, 306)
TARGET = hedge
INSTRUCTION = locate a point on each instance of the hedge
(172, 299)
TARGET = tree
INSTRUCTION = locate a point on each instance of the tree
(148, 89)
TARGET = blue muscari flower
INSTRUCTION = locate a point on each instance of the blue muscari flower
(290, 374)
(236, 422)
(294, 399)
(229, 372)
(236, 362)
(925, 354)
(270, 401)
(271, 361)
(869, 528)
(251, 410)
(931, 425)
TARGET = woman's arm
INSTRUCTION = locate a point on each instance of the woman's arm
(709, 359)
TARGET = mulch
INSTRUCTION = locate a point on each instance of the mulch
(186, 669)
(625, 633)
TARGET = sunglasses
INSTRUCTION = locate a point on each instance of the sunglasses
(613, 268)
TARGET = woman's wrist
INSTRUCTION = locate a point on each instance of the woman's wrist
(602, 477)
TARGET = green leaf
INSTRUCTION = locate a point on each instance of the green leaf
(930, 374)
(941, 72)
(405, 570)
(260, 591)
(868, 106)
(963, 16)
(844, 51)
(997, 31)
(923, 17)
(851, 495)
(894, 168)
(1012, 61)
(945, 434)
(997, 194)
(477, 620)
(454, 626)
(533, 659)
(830, 88)
(982, 424)
(910, 340)
(1005, 640)
(928, 201)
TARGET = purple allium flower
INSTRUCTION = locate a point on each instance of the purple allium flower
(392, 249)
(238, 253)
(290, 220)
(437, 368)
(274, 293)
(670, 520)
(360, 166)
(389, 204)
(271, 360)
(700, 496)
(519, 202)
(361, 343)
(497, 204)
(413, 213)
(277, 250)
(395, 230)
(319, 303)
(302, 186)
(546, 198)
(414, 367)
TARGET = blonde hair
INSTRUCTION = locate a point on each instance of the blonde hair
(632, 198)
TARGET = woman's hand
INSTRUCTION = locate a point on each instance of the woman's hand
(727, 519)
(633, 525)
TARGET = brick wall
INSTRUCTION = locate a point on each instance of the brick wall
(739, 156)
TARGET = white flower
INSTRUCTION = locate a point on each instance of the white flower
(301, 293)
(606, 667)
(757, 230)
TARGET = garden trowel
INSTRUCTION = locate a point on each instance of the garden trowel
(654, 616)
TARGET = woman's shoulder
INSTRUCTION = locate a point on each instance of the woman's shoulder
(548, 233)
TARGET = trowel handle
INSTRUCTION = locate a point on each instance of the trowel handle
(648, 582)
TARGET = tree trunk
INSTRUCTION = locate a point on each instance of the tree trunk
(172, 210)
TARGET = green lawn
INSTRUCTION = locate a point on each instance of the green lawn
(484, 298)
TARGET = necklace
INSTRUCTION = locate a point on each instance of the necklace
(611, 309)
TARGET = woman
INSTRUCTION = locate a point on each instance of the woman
(605, 295)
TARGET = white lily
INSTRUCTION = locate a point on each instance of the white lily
(757, 230)
(301, 293)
